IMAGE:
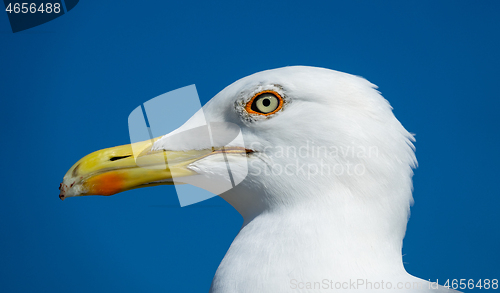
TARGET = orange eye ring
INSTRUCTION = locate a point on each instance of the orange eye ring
(249, 109)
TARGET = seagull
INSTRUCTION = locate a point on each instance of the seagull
(323, 181)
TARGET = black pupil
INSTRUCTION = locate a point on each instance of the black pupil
(264, 101)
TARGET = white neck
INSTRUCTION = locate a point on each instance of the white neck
(344, 237)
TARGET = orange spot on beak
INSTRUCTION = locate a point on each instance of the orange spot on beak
(106, 184)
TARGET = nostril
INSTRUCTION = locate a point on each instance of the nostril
(119, 158)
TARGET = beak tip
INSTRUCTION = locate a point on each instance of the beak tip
(61, 194)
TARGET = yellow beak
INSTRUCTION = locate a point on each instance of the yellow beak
(113, 170)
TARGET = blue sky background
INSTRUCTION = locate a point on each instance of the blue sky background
(68, 86)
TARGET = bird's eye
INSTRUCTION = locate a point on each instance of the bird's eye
(265, 103)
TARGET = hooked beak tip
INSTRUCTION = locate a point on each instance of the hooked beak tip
(61, 194)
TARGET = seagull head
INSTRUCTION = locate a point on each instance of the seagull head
(313, 159)
(310, 136)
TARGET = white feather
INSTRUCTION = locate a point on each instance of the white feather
(301, 227)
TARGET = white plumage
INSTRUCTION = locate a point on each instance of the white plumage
(302, 228)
